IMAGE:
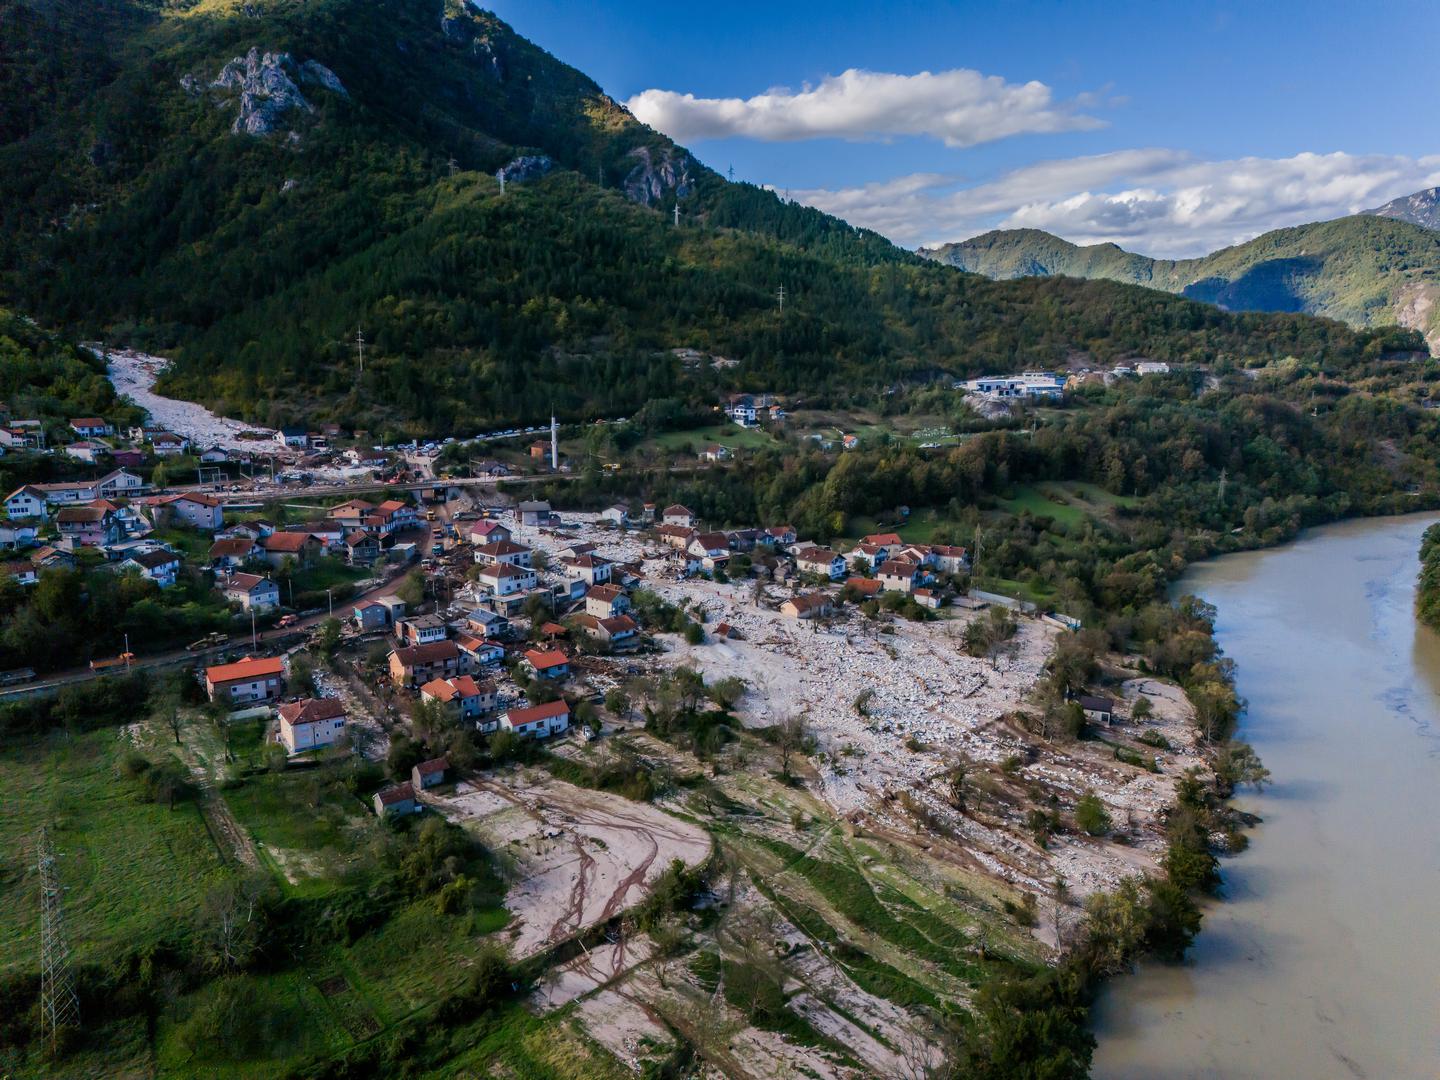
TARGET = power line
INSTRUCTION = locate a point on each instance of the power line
(59, 1007)
(780, 296)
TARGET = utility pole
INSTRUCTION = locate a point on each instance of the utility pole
(360, 348)
(254, 638)
(677, 213)
(59, 1007)
(780, 296)
(979, 540)
(731, 173)
(554, 444)
(501, 177)
(1223, 473)
(330, 596)
(453, 165)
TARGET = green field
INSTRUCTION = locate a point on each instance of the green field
(131, 869)
(920, 528)
(1066, 502)
(731, 435)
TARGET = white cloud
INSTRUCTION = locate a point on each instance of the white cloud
(961, 107)
(1159, 202)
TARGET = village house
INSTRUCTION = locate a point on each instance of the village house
(487, 623)
(950, 560)
(504, 580)
(782, 536)
(254, 530)
(88, 452)
(118, 484)
(412, 666)
(481, 652)
(463, 697)
(247, 682)
(69, 492)
(715, 452)
(311, 724)
(17, 534)
(807, 606)
(296, 437)
(869, 555)
(575, 550)
(863, 586)
(712, 549)
(928, 598)
(547, 663)
(130, 459)
(617, 515)
(168, 444)
(617, 632)
(395, 801)
(251, 591)
(428, 774)
(15, 437)
(22, 573)
(161, 567)
(89, 526)
(1098, 710)
(232, 553)
(606, 601)
(396, 516)
(489, 532)
(91, 427)
(421, 629)
(214, 455)
(198, 511)
(534, 513)
(897, 575)
(676, 536)
(821, 562)
(279, 546)
(538, 721)
(678, 515)
(48, 557)
(503, 552)
(26, 502)
(360, 547)
(591, 569)
(744, 409)
(350, 514)
(369, 616)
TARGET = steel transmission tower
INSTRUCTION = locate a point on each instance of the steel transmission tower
(59, 1007)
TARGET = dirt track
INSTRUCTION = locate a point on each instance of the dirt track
(580, 856)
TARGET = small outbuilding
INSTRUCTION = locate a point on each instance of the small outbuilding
(396, 800)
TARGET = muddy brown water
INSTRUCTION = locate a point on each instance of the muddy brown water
(1324, 959)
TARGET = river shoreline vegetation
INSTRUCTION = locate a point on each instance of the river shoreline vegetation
(1427, 595)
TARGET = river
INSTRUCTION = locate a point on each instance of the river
(1324, 959)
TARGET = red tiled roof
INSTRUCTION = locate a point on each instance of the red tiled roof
(543, 659)
(864, 586)
(428, 653)
(311, 710)
(286, 541)
(548, 711)
(399, 793)
(433, 766)
(888, 539)
(253, 668)
(608, 593)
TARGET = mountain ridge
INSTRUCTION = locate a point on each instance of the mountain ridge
(243, 186)
(1366, 270)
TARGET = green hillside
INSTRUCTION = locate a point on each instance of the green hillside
(1364, 270)
(242, 187)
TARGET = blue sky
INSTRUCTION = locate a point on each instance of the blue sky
(1169, 128)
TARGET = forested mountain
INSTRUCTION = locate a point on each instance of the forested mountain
(1372, 269)
(242, 186)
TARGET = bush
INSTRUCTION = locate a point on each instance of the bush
(1091, 815)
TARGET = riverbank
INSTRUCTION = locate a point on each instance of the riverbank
(1313, 964)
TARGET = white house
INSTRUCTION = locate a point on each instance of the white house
(820, 561)
(26, 502)
(251, 591)
(617, 515)
(538, 721)
(161, 567)
(311, 724)
(504, 579)
(591, 569)
(678, 515)
(117, 483)
(605, 601)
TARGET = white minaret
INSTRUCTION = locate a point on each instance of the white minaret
(554, 444)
